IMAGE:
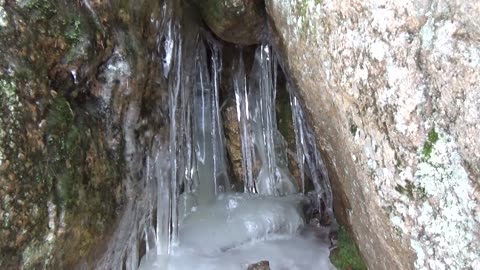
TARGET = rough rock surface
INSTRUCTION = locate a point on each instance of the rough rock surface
(236, 21)
(234, 145)
(392, 89)
(69, 110)
(54, 169)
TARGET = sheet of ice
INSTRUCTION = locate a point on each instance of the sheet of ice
(234, 219)
(294, 253)
(239, 229)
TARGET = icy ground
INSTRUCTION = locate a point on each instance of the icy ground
(240, 229)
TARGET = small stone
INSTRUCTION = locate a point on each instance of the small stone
(263, 265)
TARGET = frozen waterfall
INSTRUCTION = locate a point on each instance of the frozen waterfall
(193, 217)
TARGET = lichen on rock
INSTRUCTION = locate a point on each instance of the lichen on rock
(445, 222)
(3, 14)
(11, 103)
(388, 85)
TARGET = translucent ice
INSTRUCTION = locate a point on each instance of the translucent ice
(239, 229)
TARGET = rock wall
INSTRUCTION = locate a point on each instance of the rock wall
(55, 170)
(74, 94)
(392, 89)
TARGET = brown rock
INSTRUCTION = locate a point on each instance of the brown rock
(236, 21)
(234, 145)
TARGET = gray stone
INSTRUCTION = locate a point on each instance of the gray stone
(392, 91)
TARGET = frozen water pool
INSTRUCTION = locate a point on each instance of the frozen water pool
(237, 230)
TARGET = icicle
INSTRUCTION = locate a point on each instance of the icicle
(267, 107)
(132, 256)
(149, 237)
(211, 170)
(168, 52)
(203, 128)
(185, 127)
(274, 177)
(163, 207)
(167, 32)
(151, 192)
(241, 98)
(176, 160)
(309, 158)
(299, 138)
(219, 159)
(187, 133)
(167, 185)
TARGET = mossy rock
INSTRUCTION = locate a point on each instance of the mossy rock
(83, 179)
(235, 21)
(346, 256)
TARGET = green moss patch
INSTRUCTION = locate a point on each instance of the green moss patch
(346, 256)
(428, 145)
(54, 155)
(41, 9)
(74, 31)
(353, 129)
(284, 116)
(82, 179)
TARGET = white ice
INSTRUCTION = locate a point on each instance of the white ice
(240, 229)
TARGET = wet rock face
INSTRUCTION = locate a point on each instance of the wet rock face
(234, 145)
(235, 21)
(392, 91)
(62, 75)
(54, 173)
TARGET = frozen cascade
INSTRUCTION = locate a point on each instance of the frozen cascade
(209, 142)
(218, 228)
(310, 161)
(188, 216)
(274, 177)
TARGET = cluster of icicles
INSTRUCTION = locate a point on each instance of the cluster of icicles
(194, 219)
